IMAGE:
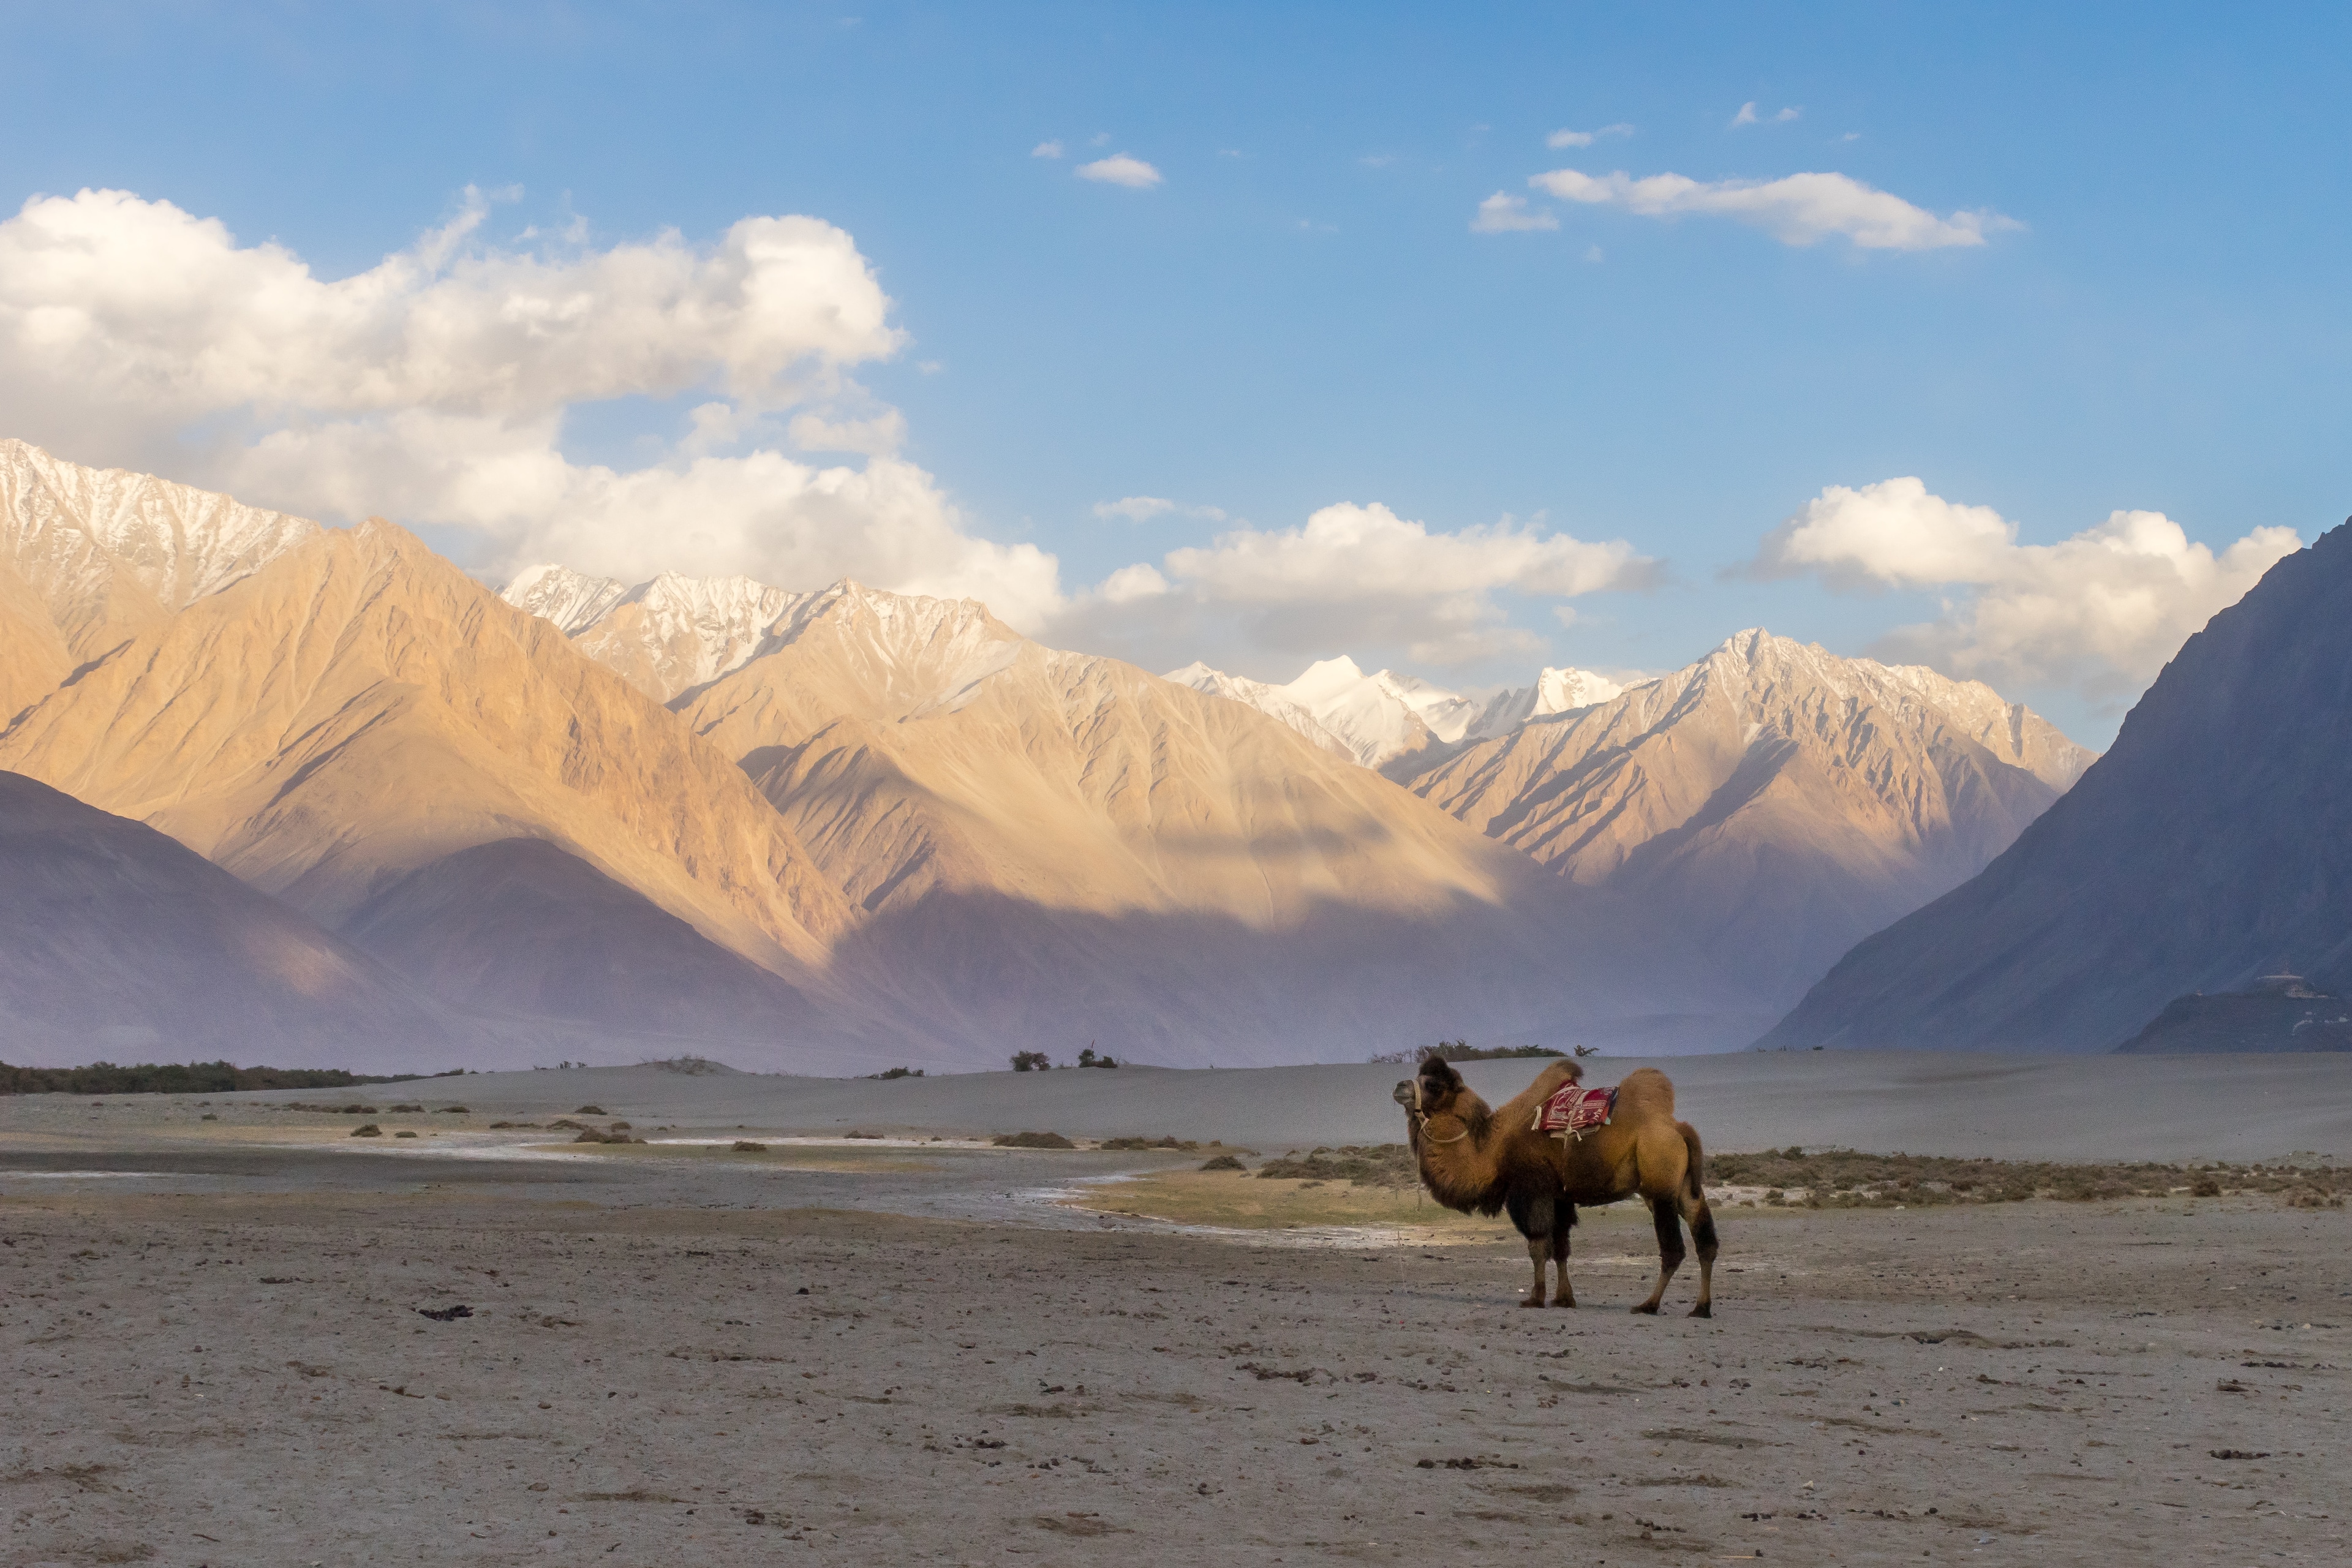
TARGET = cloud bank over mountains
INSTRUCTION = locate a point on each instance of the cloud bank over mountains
(2101, 611)
(435, 387)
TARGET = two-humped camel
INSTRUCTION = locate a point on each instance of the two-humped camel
(1483, 1161)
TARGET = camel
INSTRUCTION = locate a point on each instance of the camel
(1481, 1160)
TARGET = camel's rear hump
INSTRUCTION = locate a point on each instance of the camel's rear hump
(1643, 1093)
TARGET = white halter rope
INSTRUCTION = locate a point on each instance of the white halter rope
(1421, 1121)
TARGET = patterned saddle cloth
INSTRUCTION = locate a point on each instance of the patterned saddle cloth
(1576, 1111)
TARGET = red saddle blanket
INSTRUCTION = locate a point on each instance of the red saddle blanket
(1575, 1109)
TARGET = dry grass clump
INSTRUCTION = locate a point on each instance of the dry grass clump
(403, 1132)
(1843, 1179)
(590, 1110)
(367, 1130)
(1032, 1140)
(398, 1108)
(1170, 1142)
(1365, 1165)
(618, 1135)
(1223, 1162)
(745, 1146)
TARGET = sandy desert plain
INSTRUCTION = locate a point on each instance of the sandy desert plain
(233, 1336)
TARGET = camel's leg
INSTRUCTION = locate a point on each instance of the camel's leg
(1563, 1220)
(1702, 1229)
(1532, 1214)
(1670, 1250)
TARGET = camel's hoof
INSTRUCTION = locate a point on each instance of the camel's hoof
(1702, 1311)
(1647, 1309)
(1531, 1300)
(1565, 1301)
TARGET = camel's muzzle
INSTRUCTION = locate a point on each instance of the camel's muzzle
(1407, 1094)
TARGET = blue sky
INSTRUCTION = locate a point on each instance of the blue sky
(1299, 313)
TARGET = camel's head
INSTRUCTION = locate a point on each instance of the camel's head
(1434, 1090)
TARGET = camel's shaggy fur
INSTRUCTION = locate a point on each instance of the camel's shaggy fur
(1486, 1161)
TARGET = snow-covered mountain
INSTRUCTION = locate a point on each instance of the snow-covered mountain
(90, 557)
(665, 636)
(1386, 720)
(1770, 805)
(1269, 699)
(1554, 692)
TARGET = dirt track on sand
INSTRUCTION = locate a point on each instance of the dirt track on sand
(247, 1379)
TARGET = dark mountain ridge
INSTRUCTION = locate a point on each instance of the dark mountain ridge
(2212, 845)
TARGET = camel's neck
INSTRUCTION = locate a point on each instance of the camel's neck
(1458, 1156)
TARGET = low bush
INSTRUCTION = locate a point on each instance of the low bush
(367, 1130)
(1032, 1140)
(1223, 1162)
(1366, 1165)
(1844, 1179)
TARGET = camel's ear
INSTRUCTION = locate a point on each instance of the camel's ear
(1439, 1071)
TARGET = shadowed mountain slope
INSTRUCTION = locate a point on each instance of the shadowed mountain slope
(521, 929)
(359, 710)
(115, 938)
(2210, 847)
(1765, 807)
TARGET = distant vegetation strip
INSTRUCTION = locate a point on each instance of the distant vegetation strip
(1462, 1051)
(193, 1077)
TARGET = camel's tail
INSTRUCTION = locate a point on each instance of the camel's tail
(1695, 1176)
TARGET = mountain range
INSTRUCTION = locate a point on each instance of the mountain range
(1396, 723)
(2210, 848)
(842, 825)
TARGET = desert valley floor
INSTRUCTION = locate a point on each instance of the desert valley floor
(837, 1350)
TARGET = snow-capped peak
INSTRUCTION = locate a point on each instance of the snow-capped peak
(73, 531)
(1271, 700)
(1555, 691)
(572, 600)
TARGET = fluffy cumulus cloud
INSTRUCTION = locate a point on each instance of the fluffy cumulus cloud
(1747, 116)
(1365, 575)
(433, 386)
(2101, 612)
(1797, 209)
(1121, 169)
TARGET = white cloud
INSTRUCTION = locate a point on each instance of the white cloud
(1585, 138)
(433, 386)
(1797, 209)
(1119, 169)
(2102, 611)
(1130, 584)
(1747, 116)
(1347, 552)
(1504, 214)
(1047, 150)
(1143, 509)
(1353, 576)
(1593, 252)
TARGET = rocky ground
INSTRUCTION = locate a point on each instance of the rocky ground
(229, 1368)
